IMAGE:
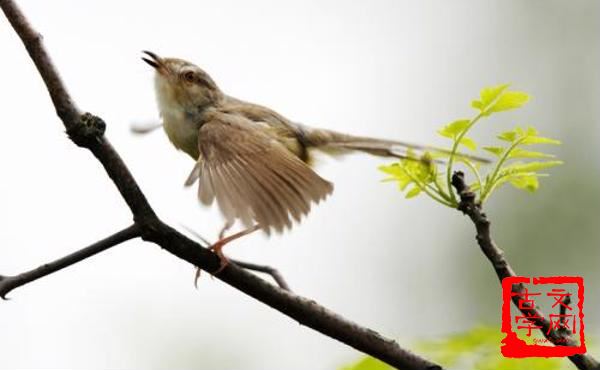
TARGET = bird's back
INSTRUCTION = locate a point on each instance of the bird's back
(288, 133)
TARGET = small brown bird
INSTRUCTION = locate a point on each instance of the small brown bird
(252, 160)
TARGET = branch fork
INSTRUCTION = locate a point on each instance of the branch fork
(87, 130)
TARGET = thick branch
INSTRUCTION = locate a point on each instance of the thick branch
(64, 105)
(303, 310)
(495, 255)
(88, 131)
(8, 283)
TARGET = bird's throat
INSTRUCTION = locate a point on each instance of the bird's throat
(179, 124)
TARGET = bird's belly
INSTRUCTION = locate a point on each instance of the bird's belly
(182, 132)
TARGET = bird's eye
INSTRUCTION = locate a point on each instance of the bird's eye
(189, 76)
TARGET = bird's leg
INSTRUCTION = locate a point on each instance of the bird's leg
(227, 226)
(218, 246)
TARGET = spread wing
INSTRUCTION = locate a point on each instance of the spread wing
(252, 176)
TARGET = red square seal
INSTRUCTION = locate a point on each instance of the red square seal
(564, 316)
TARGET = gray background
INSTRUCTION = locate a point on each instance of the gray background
(394, 69)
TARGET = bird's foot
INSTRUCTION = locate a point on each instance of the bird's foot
(217, 248)
(224, 261)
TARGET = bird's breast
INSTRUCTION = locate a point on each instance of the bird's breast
(178, 124)
(181, 130)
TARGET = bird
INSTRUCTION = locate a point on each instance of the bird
(254, 162)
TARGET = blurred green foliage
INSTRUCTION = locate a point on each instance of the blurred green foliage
(477, 349)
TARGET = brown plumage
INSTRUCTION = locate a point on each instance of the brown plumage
(253, 161)
(253, 176)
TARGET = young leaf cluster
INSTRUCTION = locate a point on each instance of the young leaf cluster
(517, 161)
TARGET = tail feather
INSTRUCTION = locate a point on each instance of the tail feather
(338, 143)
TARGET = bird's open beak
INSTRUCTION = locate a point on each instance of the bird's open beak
(155, 61)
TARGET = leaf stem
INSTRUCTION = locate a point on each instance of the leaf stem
(439, 189)
(449, 169)
(431, 191)
(476, 173)
(490, 184)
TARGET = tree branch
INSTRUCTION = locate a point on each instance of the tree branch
(495, 255)
(8, 283)
(87, 131)
(273, 272)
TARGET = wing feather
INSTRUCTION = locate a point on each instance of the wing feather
(260, 193)
(252, 176)
(243, 210)
(206, 193)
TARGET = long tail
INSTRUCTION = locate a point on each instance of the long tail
(336, 143)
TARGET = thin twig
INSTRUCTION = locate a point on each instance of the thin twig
(495, 255)
(87, 131)
(273, 272)
(8, 283)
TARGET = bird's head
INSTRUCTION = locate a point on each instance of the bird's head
(181, 84)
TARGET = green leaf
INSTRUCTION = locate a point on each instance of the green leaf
(468, 142)
(413, 192)
(526, 137)
(487, 96)
(391, 169)
(529, 183)
(455, 128)
(491, 362)
(478, 349)
(495, 150)
(423, 171)
(528, 167)
(420, 175)
(520, 175)
(521, 153)
(396, 173)
(509, 136)
(368, 363)
(450, 350)
(408, 170)
(477, 104)
(531, 140)
(525, 180)
(508, 100)
(531, 131)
